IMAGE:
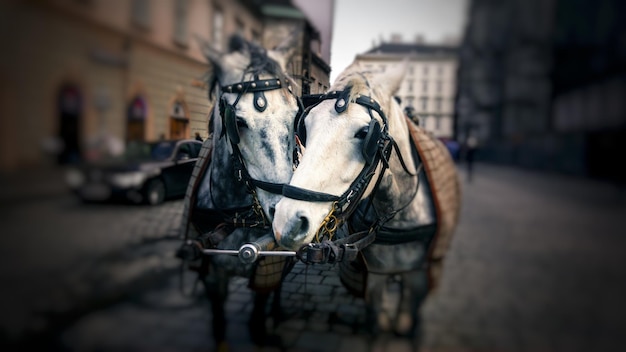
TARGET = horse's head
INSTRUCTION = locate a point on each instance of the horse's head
(346, 135)
(253, 123)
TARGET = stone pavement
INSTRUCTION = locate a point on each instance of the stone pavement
(536, 265)
(31, 183)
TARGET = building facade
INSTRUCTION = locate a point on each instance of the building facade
(541, 84)
(429, 86)
(82, 76)
(310, 71)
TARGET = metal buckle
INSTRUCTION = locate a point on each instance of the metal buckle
(350, 252)
(313, 253)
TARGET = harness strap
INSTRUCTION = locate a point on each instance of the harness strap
(424, 234)
(271, 187)
(397, 149)
(344, 249)
(297, 193)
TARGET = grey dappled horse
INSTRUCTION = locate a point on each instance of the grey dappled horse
(361, 173)
(239, 176)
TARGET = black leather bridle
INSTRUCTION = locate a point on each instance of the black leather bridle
(377, 148)
(231, 131)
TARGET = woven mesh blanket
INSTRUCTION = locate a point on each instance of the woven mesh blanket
(445, 187)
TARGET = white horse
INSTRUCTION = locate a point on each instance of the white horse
(239, 176)
(360, 169)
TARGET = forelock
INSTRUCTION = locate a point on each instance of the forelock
(359, 82)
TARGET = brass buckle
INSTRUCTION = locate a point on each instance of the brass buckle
(329, 225)
(257, 208)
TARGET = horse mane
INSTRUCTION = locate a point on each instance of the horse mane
(260, 62)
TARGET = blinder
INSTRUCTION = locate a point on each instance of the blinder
(370, 143)
(375, 132)
(230, 121)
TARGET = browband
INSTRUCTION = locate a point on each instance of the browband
(342, 102)
(255, 86)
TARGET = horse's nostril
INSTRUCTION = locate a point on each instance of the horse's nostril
(272, 211)
(304, 224)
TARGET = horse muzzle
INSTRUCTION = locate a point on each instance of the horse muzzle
(293, 232)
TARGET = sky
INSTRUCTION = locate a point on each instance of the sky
(359, 23)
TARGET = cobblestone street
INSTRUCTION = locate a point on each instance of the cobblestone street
(536, 265)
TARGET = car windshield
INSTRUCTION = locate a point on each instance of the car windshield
(149, 151)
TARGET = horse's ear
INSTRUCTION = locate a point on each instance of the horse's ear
(284, 51)
(390, 80)
(213, 55)
(237, 42)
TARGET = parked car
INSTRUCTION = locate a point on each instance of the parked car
(147, 172)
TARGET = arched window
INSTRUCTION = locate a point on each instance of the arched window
(136, 119)
(179, 120)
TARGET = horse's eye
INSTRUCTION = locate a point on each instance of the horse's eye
(362, 132)
(241, 123)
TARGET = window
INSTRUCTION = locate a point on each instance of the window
(240, 27)
(195, 149)
(256, 36)
(424, 86)
(184, 148)
(382, 68)
(410, 85)
(140, 13)
(438, 104)
(439, 85)
(179, 122)
(425, 70)
(437, 122)
(180, 21)
(411, 71)
(191, 149)
(135, 119)
(218, 28)
(440, 70)
(424, 103)
(409, 100)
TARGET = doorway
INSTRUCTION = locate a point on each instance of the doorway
(136, 120)
(179, 121)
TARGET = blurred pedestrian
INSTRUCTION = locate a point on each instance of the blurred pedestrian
(471, 144)
(198, 138)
